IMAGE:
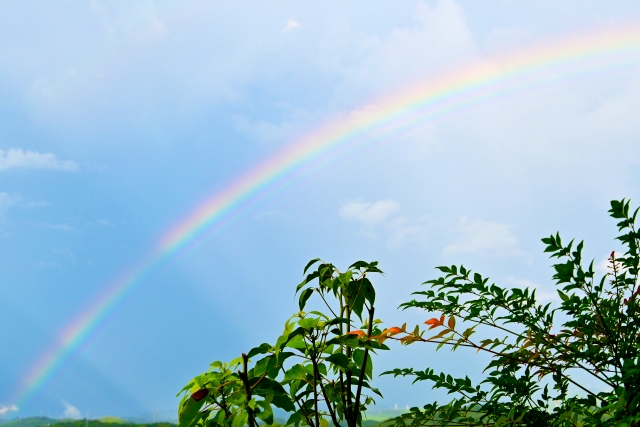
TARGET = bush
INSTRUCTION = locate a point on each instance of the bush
(319, 370)
(533, 366)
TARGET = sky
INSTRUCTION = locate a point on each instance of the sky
(120, 120)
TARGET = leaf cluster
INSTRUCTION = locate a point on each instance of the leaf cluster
(537, 349)
(319, 370)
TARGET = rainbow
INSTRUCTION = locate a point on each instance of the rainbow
(433, 99)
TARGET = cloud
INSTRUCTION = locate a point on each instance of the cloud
(8, 201)
(58, 227)
(267, 215)
(62, 227)
(46, 264)
(291, 25)
(104, 223)
(478, 236)
(369, 214)
(438, 38)
(380, 218)
(71, 411)
(5, 409)
(403, 229)
(16, 158)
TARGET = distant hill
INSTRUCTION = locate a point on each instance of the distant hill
(113, 420)
(383, 414)
(373, 419)
(102, 422)
(99, 423)
(30, 422)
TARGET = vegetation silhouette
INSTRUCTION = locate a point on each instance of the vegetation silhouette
(319, 370)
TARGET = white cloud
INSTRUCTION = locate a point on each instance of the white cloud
(602, 267)
(138, 23)
(59, 227)
(270, 214)
(266, 132)
(8, 201)
(17, 158)
(380, 218)
(477, 236)
(46, 264)
(5, 409)
(291, 25)
(403, 229)
(104, 223)
(438, 39)
(369, 214)
(71, 411)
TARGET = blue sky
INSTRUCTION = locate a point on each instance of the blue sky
(118, 118)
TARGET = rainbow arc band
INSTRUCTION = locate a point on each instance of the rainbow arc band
(433, 99)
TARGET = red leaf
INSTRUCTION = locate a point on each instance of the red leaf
(200, 394)
(393, 330)
(357, 332)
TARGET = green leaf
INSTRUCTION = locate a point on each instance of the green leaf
(263, 386)
(294, 418)
(338, 359)
(252, 403)
(368, 291)
(261, 367)
(283, 401)
(190, 411)
(240, 420)
(267, 414)
(304, 296)
(563, 296)
(261, 349)
(296, 372)
(297, 342)
(359, 265)
(322, 368)
(309, 264)
(309, 323)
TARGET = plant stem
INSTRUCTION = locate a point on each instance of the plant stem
(364, 367)
(247, 389)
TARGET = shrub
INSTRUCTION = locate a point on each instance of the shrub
(537, 349)
(319, 369)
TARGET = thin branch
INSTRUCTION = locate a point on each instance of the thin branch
(364, 367)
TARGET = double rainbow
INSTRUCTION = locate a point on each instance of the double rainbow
(430, 100)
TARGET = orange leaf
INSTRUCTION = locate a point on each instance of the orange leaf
(434, 323)
(452, 322)
(442, 319)
(393, 330)
(357, 332)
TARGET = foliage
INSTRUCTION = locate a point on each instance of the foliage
(532, 376)
(319, 369)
